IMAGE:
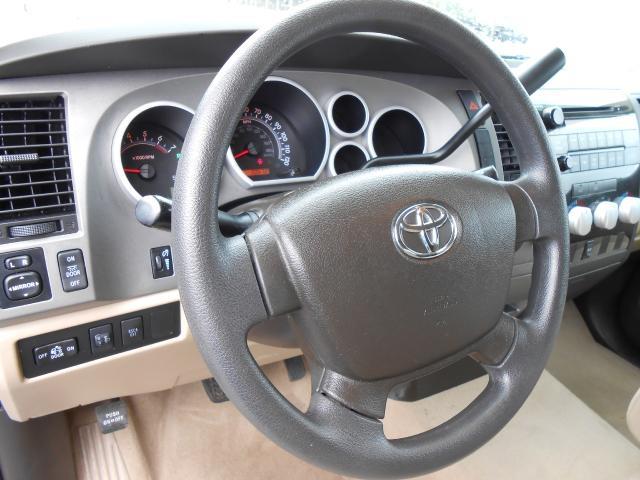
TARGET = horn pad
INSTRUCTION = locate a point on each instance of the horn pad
(395, 268)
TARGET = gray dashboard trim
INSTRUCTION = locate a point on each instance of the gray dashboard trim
(332, 123)
(334, 151)
(113, 242)
(380, 113)
(204, 45)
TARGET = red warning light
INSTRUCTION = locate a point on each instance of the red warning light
(473, 106)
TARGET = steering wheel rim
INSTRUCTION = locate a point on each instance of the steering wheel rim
(227, 285)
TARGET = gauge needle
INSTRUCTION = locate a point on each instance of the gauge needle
(241, 154)
(132, 170)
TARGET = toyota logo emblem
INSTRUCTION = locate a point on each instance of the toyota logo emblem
(425, 230)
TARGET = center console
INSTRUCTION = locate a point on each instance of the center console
(597, 144)
(595, 137)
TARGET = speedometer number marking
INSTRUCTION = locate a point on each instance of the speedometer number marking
(261, 147)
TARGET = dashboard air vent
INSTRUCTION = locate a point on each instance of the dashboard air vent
(510, 164)
(35, 173)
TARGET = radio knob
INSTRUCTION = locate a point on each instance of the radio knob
(605, 215)
(565, 162)
(553, 117)
(580, 221)
(629, 210)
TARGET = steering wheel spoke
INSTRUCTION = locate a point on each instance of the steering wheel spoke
(527, 222)
(537, 211)
(242, 284)
(496, 345)
(368, 398)
(339, 423)
(278, 293)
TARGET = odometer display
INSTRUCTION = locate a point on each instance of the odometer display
(264, 146)
(150, 156)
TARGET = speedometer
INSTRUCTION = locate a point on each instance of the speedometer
(264, 146)
(282, 137)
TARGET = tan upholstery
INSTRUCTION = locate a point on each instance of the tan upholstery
(183, 435)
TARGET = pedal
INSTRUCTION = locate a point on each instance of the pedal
(295, 368)
(112, 416)
(214, 391)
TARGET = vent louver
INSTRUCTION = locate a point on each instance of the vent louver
(35, 173)
(510, 163)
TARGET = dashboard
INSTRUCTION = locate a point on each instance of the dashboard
(282, 138)
(90, 308)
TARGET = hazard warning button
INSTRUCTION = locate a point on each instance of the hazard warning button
(471, 102)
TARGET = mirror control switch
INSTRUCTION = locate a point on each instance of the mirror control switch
(21, 286)
(17, 262)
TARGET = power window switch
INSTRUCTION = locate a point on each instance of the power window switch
(132, 331)
(101, 339)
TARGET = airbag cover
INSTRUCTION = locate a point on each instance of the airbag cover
(370, 311)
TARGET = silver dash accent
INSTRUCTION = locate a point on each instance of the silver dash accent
(17, 159)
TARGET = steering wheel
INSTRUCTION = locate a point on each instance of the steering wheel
(386, 274)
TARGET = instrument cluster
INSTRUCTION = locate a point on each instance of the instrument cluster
(283, 136)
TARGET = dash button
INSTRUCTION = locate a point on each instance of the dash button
(55, 352)
(72, 270)
(20, 261)
(21, 286)
(132, 331)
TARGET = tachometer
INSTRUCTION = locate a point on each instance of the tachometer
(262, 146)
(150, 157)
